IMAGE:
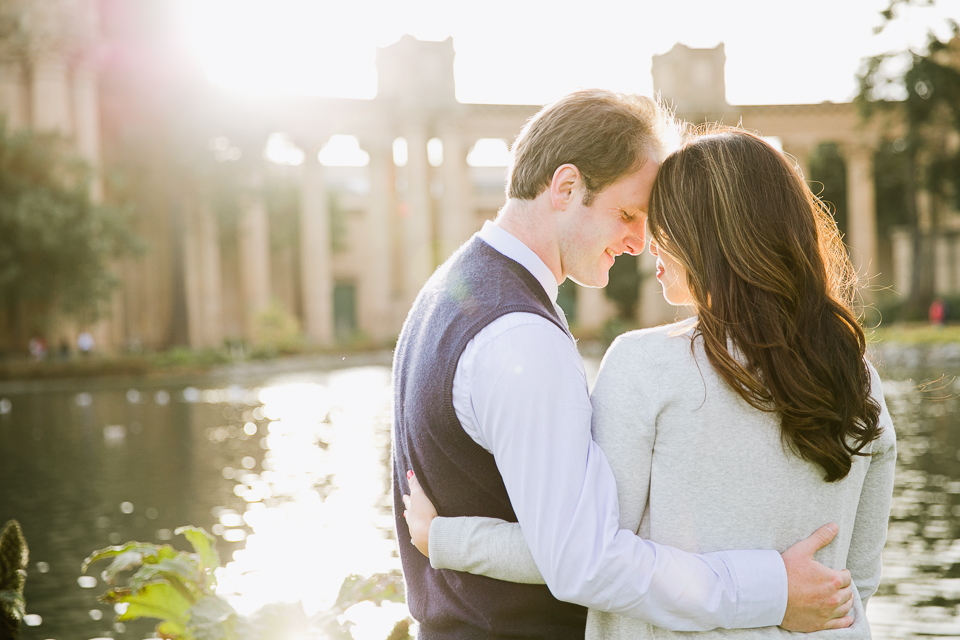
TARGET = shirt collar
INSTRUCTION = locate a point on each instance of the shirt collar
(510, 246)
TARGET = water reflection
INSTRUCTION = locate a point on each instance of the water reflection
(316, 499)
(920, 590)
(291, 474)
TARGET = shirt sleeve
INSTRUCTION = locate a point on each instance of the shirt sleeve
(529, 396)
(873, 510)
(483, 546)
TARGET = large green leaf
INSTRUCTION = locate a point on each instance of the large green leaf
(128, 556)
(202, 543)
(183, 569)
(158, 600)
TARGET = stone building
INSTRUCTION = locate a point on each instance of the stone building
(361, 239)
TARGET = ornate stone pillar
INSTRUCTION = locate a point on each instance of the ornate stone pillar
(316, 270)
(86, 116)
(204, 290)
(902, 241)
(15, 95)
(49, 95)
(253, 235)
(456, 210)
(943, 265)
(416, 217)
(862, 212)
(377, 316)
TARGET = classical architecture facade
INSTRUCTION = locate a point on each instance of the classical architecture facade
(357, 242)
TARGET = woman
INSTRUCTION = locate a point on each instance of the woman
(747, 425)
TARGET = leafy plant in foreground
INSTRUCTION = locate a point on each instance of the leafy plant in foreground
(179, 589)
(13, 574)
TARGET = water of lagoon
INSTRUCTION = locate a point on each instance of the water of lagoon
(290, 472)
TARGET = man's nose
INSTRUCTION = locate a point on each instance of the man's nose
(634, 243)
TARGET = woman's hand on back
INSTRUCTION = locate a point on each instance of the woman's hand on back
(419, 513)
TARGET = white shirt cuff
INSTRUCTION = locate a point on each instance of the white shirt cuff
(761, 580)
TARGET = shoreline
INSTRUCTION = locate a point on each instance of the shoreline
(896, 346)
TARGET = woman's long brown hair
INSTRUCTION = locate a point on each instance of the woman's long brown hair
(773, 289)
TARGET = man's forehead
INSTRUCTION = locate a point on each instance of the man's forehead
(638, 185)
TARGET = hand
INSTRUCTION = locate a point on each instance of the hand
(818, 597)
(419, 513)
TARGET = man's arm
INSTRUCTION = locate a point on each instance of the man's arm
(530, 401)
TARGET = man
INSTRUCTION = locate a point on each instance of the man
(491, 410)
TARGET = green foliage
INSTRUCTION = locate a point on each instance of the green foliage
(14, 557)
(828, 172)
(276, 330)
(179, 590)
(55, 242)
(920, 88)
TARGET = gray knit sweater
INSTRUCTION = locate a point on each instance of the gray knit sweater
(699, 469)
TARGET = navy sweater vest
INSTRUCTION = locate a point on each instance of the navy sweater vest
(469, 291)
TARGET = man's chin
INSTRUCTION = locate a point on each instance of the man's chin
(595, 281)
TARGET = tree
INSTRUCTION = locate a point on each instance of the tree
(56, 243)
(927, 82)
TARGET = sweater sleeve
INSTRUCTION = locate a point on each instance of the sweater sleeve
(873, 510)
(482, 546)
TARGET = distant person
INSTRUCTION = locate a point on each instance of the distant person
(745, 424)
(64, 351)
(85, 343)
(938, 312)
(492, 412)
(38, 348)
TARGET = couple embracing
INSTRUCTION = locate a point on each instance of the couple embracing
(731, 473)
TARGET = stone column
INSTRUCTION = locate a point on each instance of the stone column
(86, 110)
(902, 241)
(456, 210)
(50, 91)
(593, 309)
(202, 279)
(862, 212)
(943, 265)
(315, 250)
(15, 95)
(415, 223)
(253, 234)
(376, 304)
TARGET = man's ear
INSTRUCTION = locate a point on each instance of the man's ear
(565, 186)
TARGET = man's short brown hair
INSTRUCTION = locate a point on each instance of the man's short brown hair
(604, 134)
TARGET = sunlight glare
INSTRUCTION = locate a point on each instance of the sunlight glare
(281, 150)
(489, 152)
(400, 152)
(326, 515)
(343, 151)
(435, 152)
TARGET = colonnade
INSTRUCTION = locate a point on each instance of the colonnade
(409, 220)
